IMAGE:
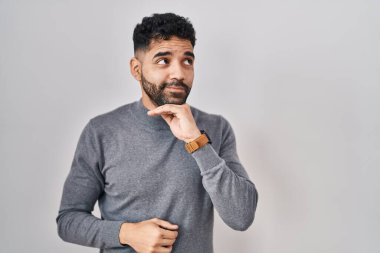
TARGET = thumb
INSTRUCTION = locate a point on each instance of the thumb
(165, 224)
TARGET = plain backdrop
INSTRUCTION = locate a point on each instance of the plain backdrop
(298, 80)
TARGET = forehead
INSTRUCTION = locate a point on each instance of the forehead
(174, 45)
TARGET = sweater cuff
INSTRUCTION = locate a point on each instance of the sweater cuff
(207, 158)
(111, 232)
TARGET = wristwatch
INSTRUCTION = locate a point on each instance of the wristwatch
(199, 142)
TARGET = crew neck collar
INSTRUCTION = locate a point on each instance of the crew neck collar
(151, 122)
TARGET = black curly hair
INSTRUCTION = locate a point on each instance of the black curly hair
(162, 26)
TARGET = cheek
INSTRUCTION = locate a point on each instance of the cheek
(190, 77)
(157, 76)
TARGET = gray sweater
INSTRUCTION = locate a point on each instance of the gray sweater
(136, 169)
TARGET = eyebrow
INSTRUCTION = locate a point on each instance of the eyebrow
(188, 53)
(159, 54)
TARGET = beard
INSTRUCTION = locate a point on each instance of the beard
(159, 96)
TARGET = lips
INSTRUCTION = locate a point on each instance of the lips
(175, 88)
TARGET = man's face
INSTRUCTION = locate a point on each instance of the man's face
(167, 71)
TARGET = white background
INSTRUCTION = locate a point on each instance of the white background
(298, 80)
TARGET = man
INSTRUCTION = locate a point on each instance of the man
(157, 166)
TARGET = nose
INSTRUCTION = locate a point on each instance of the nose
(177, 71)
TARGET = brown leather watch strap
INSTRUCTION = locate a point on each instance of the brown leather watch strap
(197, 143)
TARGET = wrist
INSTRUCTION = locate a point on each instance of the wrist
(193, 137)
(198, 143)
(125, 230)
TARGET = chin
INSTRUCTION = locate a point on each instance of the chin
(175, 100)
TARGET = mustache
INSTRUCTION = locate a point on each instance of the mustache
(177, 83)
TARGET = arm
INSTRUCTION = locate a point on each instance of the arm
(233, 194)
(82, 188)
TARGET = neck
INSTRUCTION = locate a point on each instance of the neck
(150, 122)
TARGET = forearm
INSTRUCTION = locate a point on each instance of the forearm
(234, 196)
(83, 186)
(85, 229)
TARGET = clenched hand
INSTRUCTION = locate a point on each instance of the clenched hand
(149, 236)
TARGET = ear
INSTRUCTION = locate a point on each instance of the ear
(135, 67)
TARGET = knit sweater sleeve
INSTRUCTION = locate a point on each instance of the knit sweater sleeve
(232, 193)
(82, 187)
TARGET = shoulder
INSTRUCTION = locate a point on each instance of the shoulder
(216, 125)
(209, 119)
(112, 118)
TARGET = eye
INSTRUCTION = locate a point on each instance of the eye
(189, 61)
(162, 61)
